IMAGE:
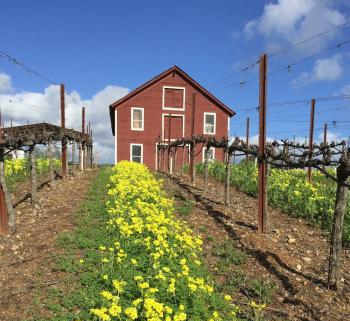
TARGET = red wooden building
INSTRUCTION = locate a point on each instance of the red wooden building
(142, 118)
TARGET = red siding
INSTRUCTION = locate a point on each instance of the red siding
(151, 100)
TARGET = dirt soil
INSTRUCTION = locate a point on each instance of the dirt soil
(27, 257)
(293, 256)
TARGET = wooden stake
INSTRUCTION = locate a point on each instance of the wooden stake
(7, 214)
(169, 137)
(227, 179)
(192, 146)
(63, 125)
(73, 157)
(49, 156)
(183, 159)
(262, 213)
(83, 161)
(33, 175)
(206, 152)
(311, 137)
(343, 172)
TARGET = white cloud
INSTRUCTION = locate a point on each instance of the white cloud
(5, 83)
(294, 20)
(327, 69)
(44, 106)
(331, 137)
(345, 90)
(249, 28)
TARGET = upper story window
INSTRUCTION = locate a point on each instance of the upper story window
(137, 118)
(173, 98)
(209, 127)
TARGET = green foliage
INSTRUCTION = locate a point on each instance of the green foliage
(185, 208)
(288, 190)
(18, 170)
(261, 290)
(229, 254)
(95, 240)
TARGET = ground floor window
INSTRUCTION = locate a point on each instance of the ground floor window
(136, 153)
(211, 154)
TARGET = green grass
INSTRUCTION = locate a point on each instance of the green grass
(289, 191)
(83, 282)
(80, 288)
(229, 254)
(184, 208)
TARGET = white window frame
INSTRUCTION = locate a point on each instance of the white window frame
(132, 118)
(183, 126)
(203, 154)
(204, 131)
(131, 146)
(183, 99)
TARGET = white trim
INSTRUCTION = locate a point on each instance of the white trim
(183, 125)
(207, 113)
(156, 164)
(203, 154)
(132, 118)
(116, 136)
(228, 126)
(183, 98)
(131, 145)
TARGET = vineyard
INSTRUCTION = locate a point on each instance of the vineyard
(194, 211)
(18, 169)
(287, 190)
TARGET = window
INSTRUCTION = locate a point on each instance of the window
(173, 98)
(211, 154)
(209, 123)
(136, 153)
(137, 118)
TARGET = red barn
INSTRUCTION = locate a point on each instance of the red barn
(142, 118)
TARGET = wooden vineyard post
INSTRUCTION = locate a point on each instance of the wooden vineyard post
(8, 216)
(311, 137)
(192, 145)
(174, 162)
(192, 169)
(79, 153)
(343, 172)
(325, 137)
(158, 160)
(206, 152)
(262, 206)
(169, 137)
(4, 224)
(49, 156)
(227, 179)
(73, 156)
(63, 125)
(183, 158)
(91, 148)
(33, 175)
(82, 151)
(81, 158)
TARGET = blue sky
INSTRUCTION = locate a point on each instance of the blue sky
(102, 49)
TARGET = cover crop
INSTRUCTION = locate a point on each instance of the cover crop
(151, 262)
(288, 190)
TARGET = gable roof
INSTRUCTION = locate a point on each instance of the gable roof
(159, 77)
